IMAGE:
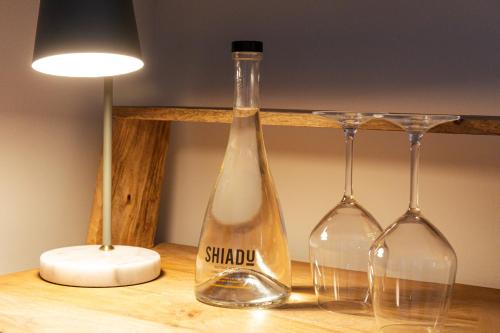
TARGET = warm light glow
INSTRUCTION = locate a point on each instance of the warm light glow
(258, 315)
(87, 64)
(295, 297)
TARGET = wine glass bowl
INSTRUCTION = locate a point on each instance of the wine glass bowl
(339, 244)
(413, 271)
(338, 250)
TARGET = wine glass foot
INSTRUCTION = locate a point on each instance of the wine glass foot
(348, 119)
(418, 123)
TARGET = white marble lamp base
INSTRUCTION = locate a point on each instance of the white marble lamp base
(87, 266)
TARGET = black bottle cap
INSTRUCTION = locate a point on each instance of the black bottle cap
(247, 46)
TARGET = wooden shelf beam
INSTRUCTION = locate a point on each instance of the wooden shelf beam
(468, 124)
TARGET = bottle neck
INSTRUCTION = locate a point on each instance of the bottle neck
(246, 80)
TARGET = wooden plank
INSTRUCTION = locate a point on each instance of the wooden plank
(477, 125)
(28, 304)
(139, 153)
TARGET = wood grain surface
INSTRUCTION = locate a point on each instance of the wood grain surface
(478, 125)
(139, 153)
(28, 305)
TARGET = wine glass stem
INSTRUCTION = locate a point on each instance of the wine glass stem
(349, 146)
(415, 144)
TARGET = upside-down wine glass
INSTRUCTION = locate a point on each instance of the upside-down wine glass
(339, 244)
(412, 265)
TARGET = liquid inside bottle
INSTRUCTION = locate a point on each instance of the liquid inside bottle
(243, 258)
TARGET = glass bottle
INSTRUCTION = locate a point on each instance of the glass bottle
(243, 258)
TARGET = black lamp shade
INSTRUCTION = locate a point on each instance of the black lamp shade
(87, 38)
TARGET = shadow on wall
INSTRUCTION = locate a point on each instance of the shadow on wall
(469, 151)
(374, 151)
(421, 56)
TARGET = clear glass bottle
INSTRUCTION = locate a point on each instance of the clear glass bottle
(243, 258)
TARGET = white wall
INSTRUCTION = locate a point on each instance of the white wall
(420, 57)
(50, 139)
(370, 56)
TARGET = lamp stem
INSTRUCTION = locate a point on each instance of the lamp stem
(107, 150)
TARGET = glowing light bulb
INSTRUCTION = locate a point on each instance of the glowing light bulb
(88, 64)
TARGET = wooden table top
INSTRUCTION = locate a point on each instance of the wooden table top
(29, 304)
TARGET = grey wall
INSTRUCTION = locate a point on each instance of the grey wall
(393, 56)
(50, 138)
(412, 56)
(420, 56)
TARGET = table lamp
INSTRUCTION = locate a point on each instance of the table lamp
(93, 38)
